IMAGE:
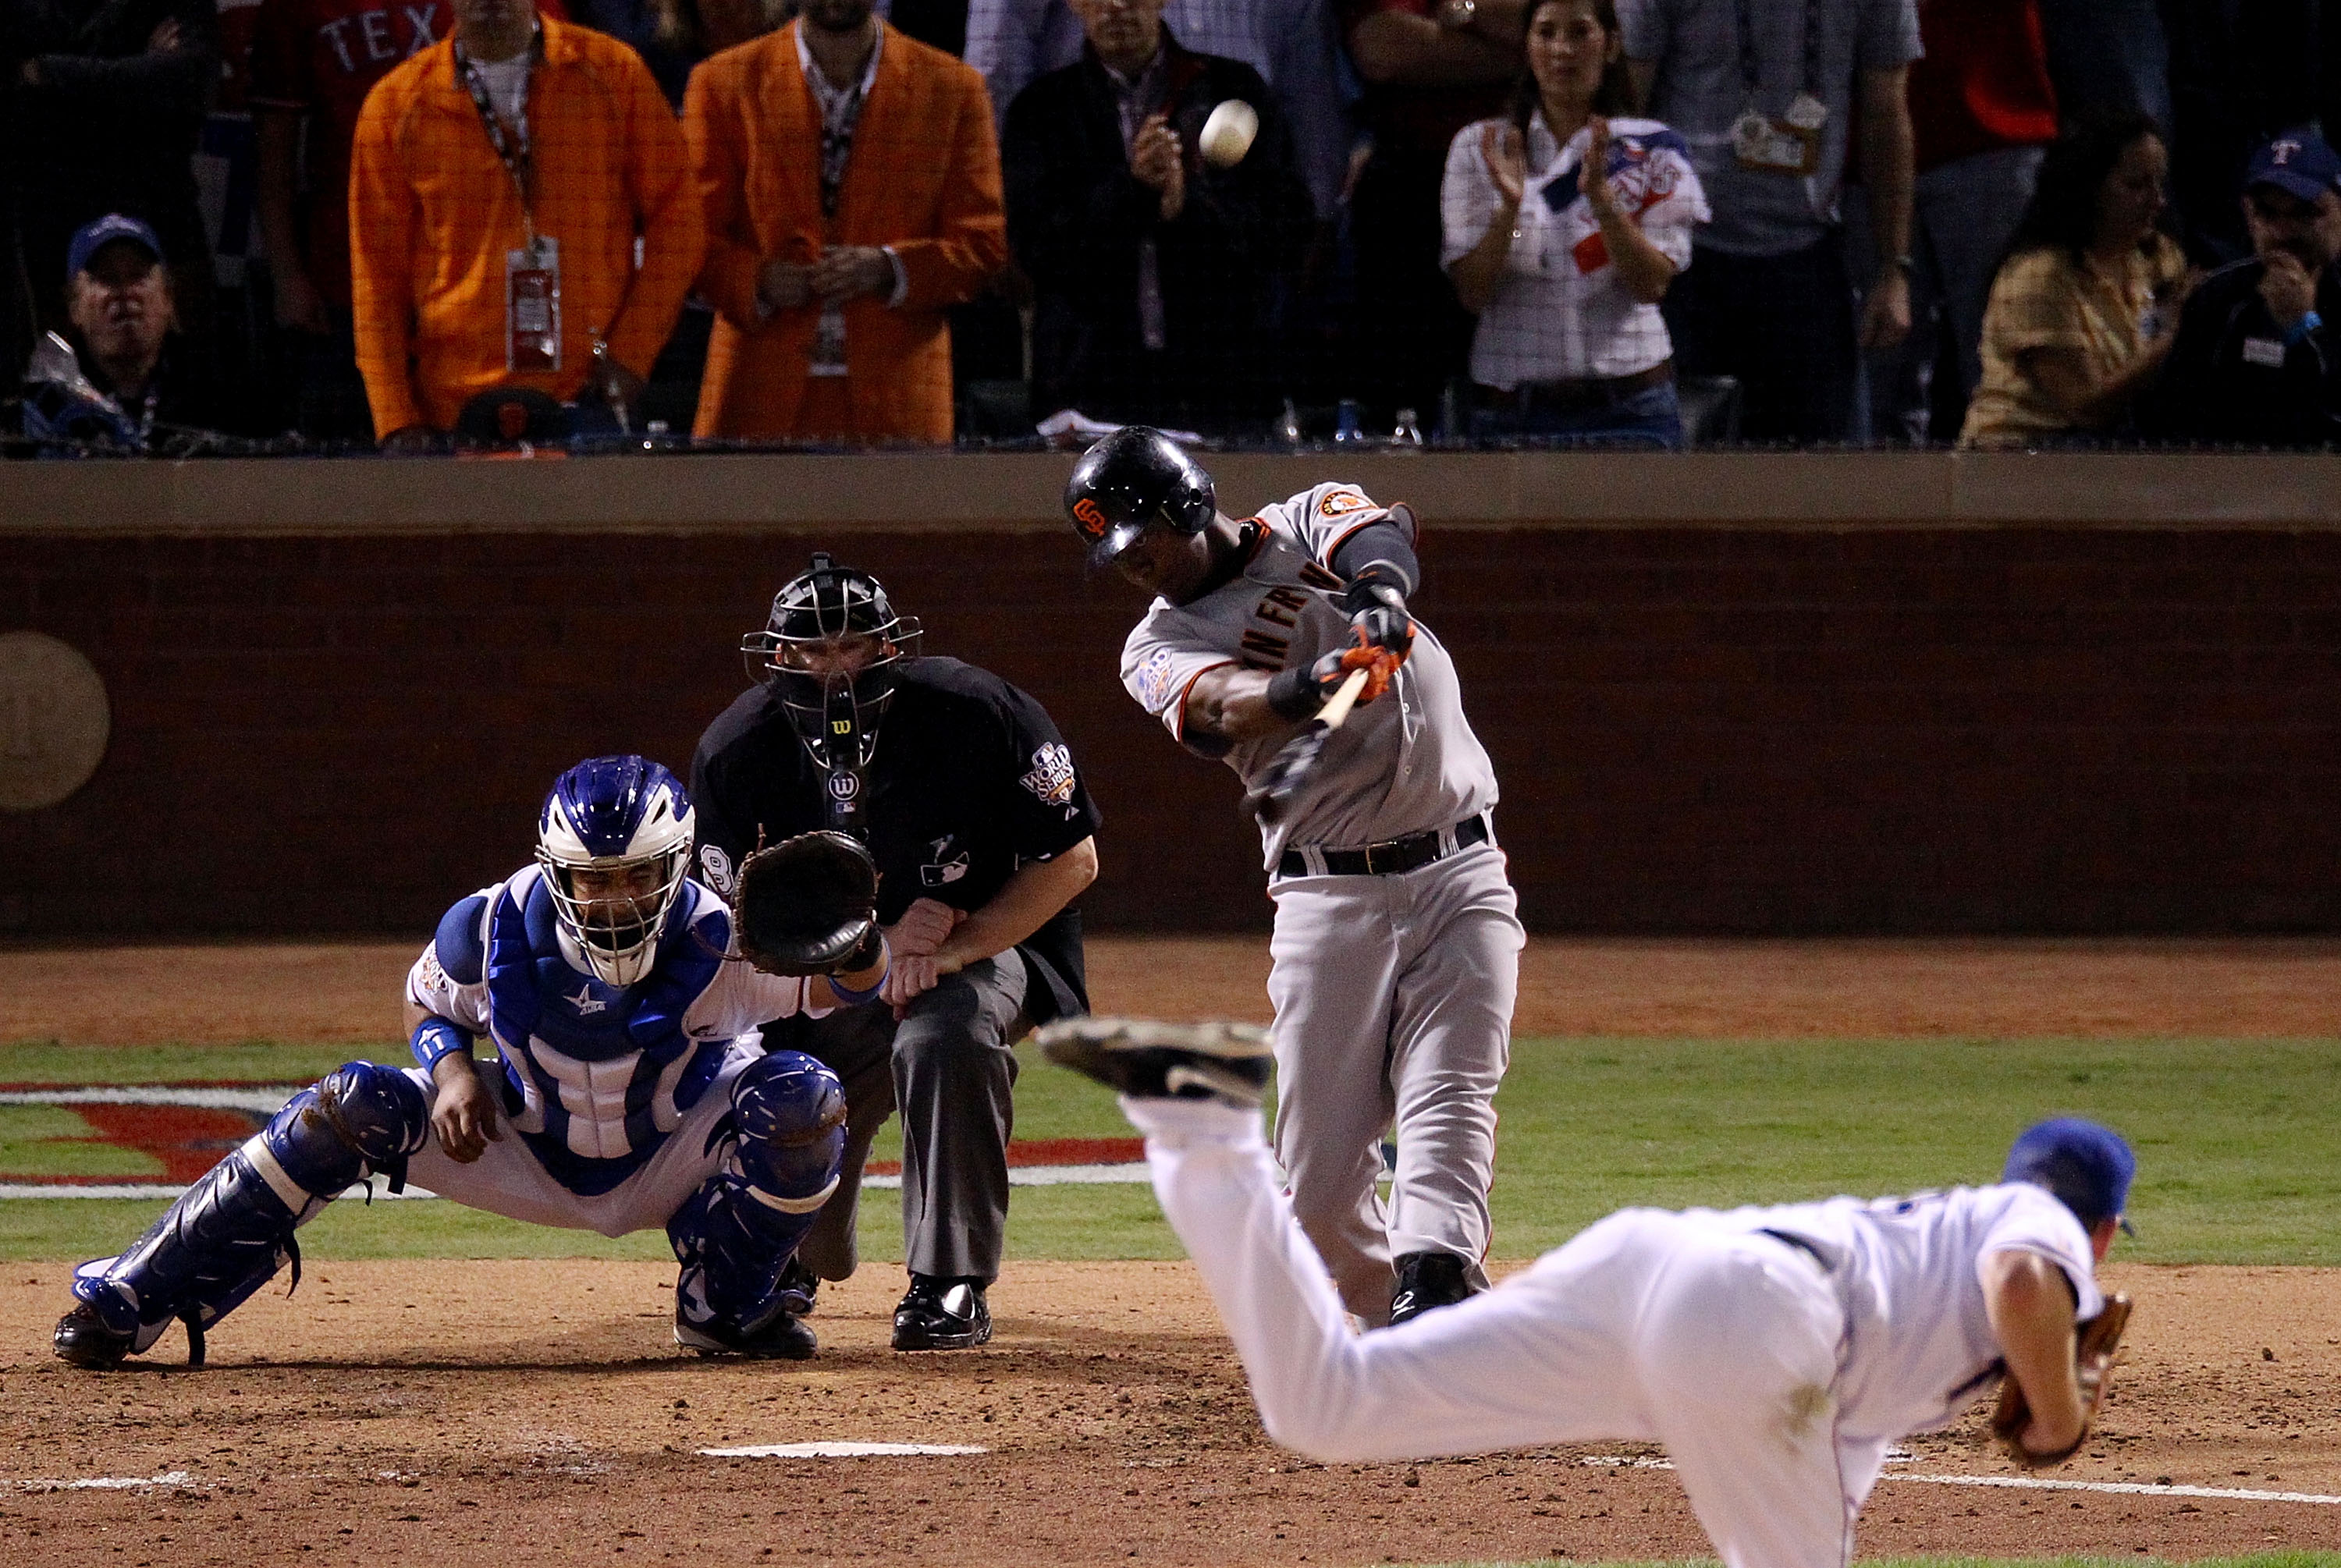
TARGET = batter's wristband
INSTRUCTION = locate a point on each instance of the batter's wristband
(436, 1039)
(1294, 693)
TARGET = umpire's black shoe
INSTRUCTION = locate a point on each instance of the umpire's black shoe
(1148, 1060)
(782, 1338)
(1427, 1280)
(941, 1314)
(799, 1287)
(83, 1339)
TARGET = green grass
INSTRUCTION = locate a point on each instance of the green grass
(2239, 1142)
(2248, 1560)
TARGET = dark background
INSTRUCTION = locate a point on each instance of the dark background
(1699, 728)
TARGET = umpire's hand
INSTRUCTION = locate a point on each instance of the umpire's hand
(463, 1113)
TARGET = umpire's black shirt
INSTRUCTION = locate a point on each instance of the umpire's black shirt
(2231, 378)
(969, 781)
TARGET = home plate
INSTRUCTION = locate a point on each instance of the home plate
(836, 1450)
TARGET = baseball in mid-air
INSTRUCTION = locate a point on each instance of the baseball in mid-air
(1228, 133)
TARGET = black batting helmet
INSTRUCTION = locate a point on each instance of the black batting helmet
(1132, 480)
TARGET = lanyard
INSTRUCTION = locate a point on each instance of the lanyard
(511, 142)
(1749, 69)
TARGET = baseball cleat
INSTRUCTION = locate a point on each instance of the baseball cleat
(782, 1338)
(1151, 1061)
(1427, 1280)
(83, 1339)
(941, 1314)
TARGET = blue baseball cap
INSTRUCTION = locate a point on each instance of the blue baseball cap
(93, 237)
(2299, 163)
(2086, 1164)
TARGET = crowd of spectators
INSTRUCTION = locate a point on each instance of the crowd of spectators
(239, 224)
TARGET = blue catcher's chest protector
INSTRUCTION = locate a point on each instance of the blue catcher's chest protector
(605, 1072)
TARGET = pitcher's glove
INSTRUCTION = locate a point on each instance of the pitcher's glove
(2096, 1347)
(807, 906)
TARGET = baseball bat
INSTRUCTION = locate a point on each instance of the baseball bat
(1297, 758)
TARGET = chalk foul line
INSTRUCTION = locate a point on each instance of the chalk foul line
(2138, 1488)
(837, 1450)
(2020, 1483)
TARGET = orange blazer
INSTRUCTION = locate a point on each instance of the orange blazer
(923, 178)
(432, 213)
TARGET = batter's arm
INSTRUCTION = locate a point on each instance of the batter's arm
(2031, 1304)
(1229, 705)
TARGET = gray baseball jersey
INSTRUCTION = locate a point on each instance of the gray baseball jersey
(1393, 992)
(1404, 763)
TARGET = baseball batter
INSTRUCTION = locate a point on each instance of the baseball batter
(1776, 1353)
(1396, 952)
(630, 1093)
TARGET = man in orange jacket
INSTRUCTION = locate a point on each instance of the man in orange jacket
(497, 185)
(851, 180)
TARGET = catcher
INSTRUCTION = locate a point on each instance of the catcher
(630, 1089)
(1775, 1352)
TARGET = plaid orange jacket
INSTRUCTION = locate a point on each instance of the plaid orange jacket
(432, 213)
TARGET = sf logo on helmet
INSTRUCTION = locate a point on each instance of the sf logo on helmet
(1087, 514)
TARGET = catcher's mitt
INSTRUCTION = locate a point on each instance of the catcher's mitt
(807, 906)
(2096, 1347)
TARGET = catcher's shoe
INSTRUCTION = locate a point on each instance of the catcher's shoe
(782, 1338)
(800, 1288)
(941, 1314)
(84, 1339)
(1427, 1280)
(1148, 1060)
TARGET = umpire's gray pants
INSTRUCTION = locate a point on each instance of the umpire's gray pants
(948, 1068)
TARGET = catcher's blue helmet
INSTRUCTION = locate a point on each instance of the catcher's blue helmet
(626, 820)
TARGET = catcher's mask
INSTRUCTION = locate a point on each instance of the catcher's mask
(829, 653)
(614, 840)
(1131, 480)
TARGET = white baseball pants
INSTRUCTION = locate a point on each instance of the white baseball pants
(1724, 1346)
(507, 1179)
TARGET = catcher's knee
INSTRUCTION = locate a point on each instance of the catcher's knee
(789, 1111)
(358, 1119)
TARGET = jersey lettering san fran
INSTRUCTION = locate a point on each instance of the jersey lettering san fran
(1405, 763)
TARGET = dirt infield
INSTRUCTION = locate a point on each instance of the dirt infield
(335, 993)
(476, 1413)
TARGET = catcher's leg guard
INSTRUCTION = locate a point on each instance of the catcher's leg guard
(738, 1231)
(232, 1229)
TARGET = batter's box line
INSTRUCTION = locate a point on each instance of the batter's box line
(170, 1478)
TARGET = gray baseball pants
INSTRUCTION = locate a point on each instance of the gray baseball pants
(1393, 1008)
(948, 1068)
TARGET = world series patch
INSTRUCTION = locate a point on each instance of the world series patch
(1155, 680)
(1052, 778)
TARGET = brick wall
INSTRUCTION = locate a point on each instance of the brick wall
(1699, 728)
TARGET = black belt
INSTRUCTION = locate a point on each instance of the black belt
(1391, 857)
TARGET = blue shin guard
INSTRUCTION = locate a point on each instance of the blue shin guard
(738, 1231)
(232, 1229)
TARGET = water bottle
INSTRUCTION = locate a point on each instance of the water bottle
(1407, 434)
(1345, 422)
(1288, 426)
